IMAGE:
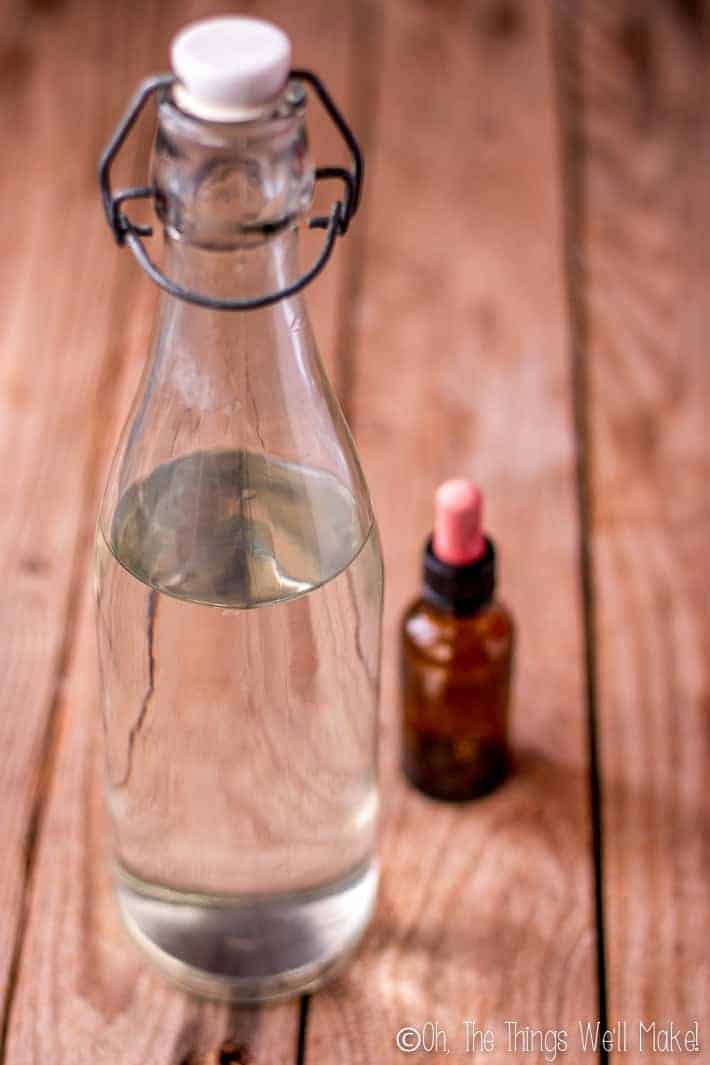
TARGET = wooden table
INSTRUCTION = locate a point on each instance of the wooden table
(525, 300)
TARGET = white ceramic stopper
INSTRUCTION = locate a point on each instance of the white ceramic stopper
(230, 68)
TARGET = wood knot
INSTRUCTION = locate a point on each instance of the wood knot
(636, 44)
(503, 20)
(231, 1053)
(46, 6)
(637, 47)
(34, 564)
(692, 13)
(16, 64)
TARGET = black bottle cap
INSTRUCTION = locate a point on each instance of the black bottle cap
(459, 589)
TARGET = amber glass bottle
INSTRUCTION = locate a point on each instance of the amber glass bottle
(457, 651)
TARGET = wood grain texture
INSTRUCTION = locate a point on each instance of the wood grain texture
(70, 360)
(54, 308)
(460, 351)
(646, 270)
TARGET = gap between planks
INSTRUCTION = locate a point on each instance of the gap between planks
(567, 47)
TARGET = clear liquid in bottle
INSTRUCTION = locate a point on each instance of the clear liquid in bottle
(241, 770)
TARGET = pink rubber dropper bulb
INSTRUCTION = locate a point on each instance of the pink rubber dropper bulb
(458, 526)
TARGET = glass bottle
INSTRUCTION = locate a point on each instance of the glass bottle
(239, 586)
(456, 659)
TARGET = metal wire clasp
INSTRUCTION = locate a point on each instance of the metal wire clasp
(130, 233)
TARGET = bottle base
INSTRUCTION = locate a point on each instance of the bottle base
(249, 949)
(454, 772)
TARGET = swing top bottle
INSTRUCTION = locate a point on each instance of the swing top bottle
(239, 574)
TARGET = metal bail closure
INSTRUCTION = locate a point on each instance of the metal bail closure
(127, 232)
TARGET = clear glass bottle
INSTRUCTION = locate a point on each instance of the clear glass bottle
(239, 587)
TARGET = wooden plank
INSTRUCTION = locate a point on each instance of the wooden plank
(54, 308)
(461, 350)
(70, 364)
(646, 151)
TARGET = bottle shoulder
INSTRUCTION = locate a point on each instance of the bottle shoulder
(443, 638)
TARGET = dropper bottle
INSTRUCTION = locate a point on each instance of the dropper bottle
(456, 658)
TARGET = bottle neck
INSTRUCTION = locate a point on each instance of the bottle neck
(459, 590)
(208, 353)
(232, 186)
(243, 272)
